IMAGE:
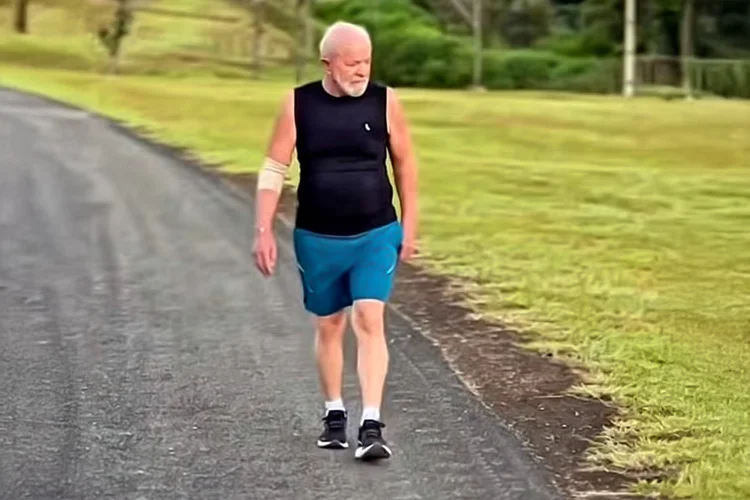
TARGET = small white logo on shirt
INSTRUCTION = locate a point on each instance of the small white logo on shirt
(367, 127)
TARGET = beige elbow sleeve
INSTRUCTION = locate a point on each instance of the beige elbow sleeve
(272, 175)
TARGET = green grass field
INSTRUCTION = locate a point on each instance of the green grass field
(616, 230)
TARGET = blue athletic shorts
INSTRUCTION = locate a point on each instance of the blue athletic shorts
(337, 270)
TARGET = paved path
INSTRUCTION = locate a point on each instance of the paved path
(142, 357)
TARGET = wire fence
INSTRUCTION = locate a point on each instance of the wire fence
(702, 47)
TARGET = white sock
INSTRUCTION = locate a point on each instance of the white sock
(370, 413)
(334, 405)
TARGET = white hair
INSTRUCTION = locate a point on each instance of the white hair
(338, 31)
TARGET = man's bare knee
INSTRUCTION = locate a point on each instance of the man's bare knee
(367, 318)
(331, 328)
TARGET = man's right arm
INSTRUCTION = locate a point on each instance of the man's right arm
(275, 166)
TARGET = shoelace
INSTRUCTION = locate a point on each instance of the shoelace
(335, 420)
(372, 430)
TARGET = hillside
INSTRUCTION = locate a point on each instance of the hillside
(167, 36)
(556, 45)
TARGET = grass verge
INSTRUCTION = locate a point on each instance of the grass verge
(617, 231)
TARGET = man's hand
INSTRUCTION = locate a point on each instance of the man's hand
(408, 246)
(264, 251)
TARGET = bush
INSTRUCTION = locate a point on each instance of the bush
(587, 44)
(590, 75)
(537, 70)
(383, 14)
(722, 78)
(521, 69)
(413, 51)
(411, 48)
(420, 56)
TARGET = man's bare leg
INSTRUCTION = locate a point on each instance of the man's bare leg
(329, 353)
(372, 368)
(372, 354)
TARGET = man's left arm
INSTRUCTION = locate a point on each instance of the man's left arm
(404, 163)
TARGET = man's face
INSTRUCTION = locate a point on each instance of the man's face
(350, 67)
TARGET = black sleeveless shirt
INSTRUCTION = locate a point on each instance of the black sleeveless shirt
(344, 187)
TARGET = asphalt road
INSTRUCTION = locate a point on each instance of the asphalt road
(142, 356)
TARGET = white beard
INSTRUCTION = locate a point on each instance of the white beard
(353, 90)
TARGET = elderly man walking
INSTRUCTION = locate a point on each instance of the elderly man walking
(348, 239)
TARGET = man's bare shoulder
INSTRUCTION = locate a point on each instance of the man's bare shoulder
(394, 101)
(396, 112)
(284, 135)
(287, 102)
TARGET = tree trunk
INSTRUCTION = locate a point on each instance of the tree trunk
(304, 37)
(652, 28)
(114, 64)
(476, 22)
(21, 18)
(256, 7)
(687, 44)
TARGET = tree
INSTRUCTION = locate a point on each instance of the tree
(112, 36)
(21, 17)
(257, 9)
(305, 34)
(521, 22)
(687, 43)
(472, 15)
(518, 23)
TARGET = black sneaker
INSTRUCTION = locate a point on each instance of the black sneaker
(371, 445)
(334, 432)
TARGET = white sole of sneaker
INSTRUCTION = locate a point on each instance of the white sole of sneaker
(336, 445)
(373, 452)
